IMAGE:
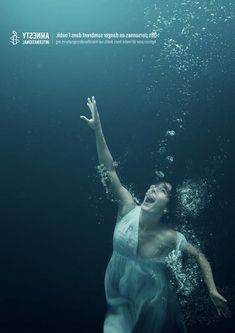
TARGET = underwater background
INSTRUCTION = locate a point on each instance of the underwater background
(167, 111)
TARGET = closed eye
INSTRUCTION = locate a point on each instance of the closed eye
(163, 190)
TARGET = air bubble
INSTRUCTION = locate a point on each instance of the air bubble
(160, 174)
(170, 159)
(162, 150)
(170, 133)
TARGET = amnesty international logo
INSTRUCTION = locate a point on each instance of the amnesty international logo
(14, 38)
(30, 38)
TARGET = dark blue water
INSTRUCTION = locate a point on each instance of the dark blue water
(56, 222)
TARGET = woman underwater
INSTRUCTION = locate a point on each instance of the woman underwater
(138, 291)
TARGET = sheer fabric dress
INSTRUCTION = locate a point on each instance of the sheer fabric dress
(139, 294)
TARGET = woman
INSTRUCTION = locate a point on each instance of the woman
(138, 291)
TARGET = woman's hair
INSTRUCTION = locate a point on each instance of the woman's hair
(169, 218)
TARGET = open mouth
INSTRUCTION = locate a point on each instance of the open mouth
(149, 199)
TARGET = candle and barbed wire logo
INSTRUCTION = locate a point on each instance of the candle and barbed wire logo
(14, 38)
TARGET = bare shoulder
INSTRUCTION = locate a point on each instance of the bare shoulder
(125, 209)
(170, 233)
(171, 236)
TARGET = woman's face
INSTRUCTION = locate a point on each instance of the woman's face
(157, 197)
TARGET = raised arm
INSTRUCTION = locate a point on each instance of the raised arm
(218, 300)
(124, 198)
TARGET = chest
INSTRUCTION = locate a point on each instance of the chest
(155, 244)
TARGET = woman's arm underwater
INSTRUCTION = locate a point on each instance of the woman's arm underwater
(218, 300)
(124, 198)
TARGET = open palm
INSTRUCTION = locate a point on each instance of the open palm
(94, 121)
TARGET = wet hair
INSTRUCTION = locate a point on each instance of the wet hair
(169, 192)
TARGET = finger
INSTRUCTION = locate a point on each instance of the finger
(85, 118)
(95, 106)
(222, 298)
(89, 105)
(89, 101)
(91, 109)
(219, 313)
(94, 102)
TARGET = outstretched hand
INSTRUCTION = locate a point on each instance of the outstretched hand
(94, 121)
(220, 303)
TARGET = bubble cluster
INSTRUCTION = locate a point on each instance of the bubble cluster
(185, 28)
(193, 48)
(105, 180)
(186, 279)
(165, 157)
(192, 196)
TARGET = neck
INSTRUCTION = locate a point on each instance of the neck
(149, 221)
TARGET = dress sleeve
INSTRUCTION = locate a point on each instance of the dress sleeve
(181, 241)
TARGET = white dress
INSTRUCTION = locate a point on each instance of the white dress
(139, 295)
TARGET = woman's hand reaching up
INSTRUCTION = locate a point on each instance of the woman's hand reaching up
(94, 121)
